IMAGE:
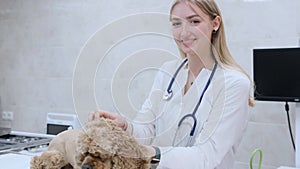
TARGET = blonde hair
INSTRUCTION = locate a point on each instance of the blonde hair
(219, 45)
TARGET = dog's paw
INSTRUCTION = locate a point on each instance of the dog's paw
(48, 160)
(35, 163)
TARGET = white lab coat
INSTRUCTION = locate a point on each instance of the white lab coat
(221, 118)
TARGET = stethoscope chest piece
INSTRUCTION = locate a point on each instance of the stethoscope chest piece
(169, 93)
(167, 96)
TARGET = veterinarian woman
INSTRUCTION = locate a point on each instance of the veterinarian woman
(203, 114)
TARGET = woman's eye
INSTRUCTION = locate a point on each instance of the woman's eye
(176, 24)
(195, 22)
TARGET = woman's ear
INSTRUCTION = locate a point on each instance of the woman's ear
(216, 22)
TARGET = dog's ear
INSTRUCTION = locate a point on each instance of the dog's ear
(131, 162)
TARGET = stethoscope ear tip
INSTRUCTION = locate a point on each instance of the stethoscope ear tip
(168, 95)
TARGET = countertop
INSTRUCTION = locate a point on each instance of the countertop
(22, 161)
(15, 161)
(19, 159)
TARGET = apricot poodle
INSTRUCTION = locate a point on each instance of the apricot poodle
(99, 145)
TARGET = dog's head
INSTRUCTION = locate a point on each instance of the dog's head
(103, 145)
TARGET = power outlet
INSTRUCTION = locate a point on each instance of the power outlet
(7, 115)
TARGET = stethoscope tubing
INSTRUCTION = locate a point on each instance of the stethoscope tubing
(193, 115)
(169, 95)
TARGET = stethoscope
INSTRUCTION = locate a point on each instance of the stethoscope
(169, 94)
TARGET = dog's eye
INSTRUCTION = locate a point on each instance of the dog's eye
(101, 157)
(96, 154)
(82, 156)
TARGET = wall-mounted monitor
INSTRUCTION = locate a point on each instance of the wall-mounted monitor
(276, 73)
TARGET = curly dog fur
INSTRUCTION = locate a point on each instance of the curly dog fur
(99, 145)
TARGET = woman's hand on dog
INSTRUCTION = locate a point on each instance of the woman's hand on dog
(118, 120)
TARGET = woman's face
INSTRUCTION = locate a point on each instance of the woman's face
(192, 29)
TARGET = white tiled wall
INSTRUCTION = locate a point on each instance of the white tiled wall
(41, 42)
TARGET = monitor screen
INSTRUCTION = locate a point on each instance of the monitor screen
(55, 129)
(276, 74)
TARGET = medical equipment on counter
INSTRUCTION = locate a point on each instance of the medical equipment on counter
(169, 95)
(58, 122)
(253, 155)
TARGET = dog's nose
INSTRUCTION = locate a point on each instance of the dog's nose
(87, 166)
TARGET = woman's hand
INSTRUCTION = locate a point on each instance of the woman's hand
(150, 151)
(118, 120)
